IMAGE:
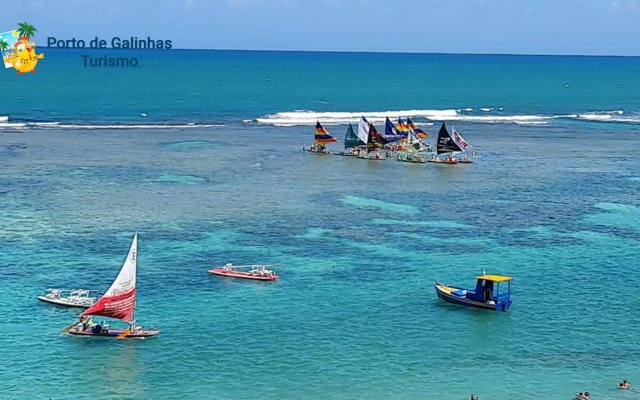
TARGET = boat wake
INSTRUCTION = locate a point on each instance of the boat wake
(487, 115)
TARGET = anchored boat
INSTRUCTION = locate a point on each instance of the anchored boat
(71, 298)
(258, 272)
(119, 302)
(487, 294)
(352, 144)
(451, 145)
(322, 138)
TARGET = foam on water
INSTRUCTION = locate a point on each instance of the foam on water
(488, 116)
(305, 117)
(383, 205)
(70, 125)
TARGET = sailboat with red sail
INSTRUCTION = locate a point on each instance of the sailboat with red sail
(119, 302)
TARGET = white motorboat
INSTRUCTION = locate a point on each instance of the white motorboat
(71, 298)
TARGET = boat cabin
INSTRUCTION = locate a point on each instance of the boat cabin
(492, 289)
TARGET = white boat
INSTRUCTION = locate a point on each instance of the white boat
(69, 297)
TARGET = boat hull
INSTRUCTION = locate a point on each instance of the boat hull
(445, 293)
(327, 152)
(443, 161)
(63, 302)
(116, 332)
(242, 275)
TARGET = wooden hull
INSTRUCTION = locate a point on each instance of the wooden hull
(116, 332)
(446, 293)
(443, 162)
(62, 302)
(242, 275)
(422, 161)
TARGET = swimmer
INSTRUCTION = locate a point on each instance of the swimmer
(624, 385)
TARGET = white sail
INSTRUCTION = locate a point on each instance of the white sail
(460, 141)
(363, 130)
(126, 279)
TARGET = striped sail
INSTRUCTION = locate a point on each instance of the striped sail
(322, 135)
(419, 132)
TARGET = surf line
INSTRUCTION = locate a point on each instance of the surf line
(106, 62)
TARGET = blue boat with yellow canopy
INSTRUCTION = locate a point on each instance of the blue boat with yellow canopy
(492, 292)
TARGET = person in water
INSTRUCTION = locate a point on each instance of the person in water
(624, 385)
(473, 397)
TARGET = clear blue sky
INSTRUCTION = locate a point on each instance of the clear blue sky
(450, 26)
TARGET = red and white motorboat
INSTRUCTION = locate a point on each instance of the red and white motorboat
(258, 272)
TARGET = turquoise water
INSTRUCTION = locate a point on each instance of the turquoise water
(354, 314)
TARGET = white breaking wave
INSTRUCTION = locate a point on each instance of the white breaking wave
(294, 118)
(616, 116)
(305, 117)
(336, 118)
(4, 118)
(61, 125)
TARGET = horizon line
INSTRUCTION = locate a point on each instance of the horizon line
(363, 52)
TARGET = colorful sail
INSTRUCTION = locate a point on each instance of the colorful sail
(351, 139)
(375, 139)
(445, 144)
(363, 130)
(402, 127)
(120, 300)
(322, 135)
(419, 132)
(460, 141)
(391, 134)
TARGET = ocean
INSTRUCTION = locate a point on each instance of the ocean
(200, 151)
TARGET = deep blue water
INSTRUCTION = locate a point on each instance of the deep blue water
(551, 201)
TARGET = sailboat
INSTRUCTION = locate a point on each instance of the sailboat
(391, 134)
(119, 302)
(451, 145)
(419, 132)
(322, 137)
(352, 143)
(413, 149)
(374, 140)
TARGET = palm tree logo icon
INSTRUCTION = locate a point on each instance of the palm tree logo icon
(19, 50)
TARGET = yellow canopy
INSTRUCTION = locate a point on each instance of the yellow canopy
(494, 278)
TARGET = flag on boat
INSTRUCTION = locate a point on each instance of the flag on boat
(322, 135)
(363, 130)
(120, 300)
(419, 132)
(402, 127)
(460, 141)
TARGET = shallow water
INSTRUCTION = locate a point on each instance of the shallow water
(359, 242)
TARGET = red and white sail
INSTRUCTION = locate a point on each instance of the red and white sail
(120, 300)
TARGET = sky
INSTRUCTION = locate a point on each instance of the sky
(586, 27)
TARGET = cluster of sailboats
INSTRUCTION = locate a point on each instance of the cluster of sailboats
(404, 140)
